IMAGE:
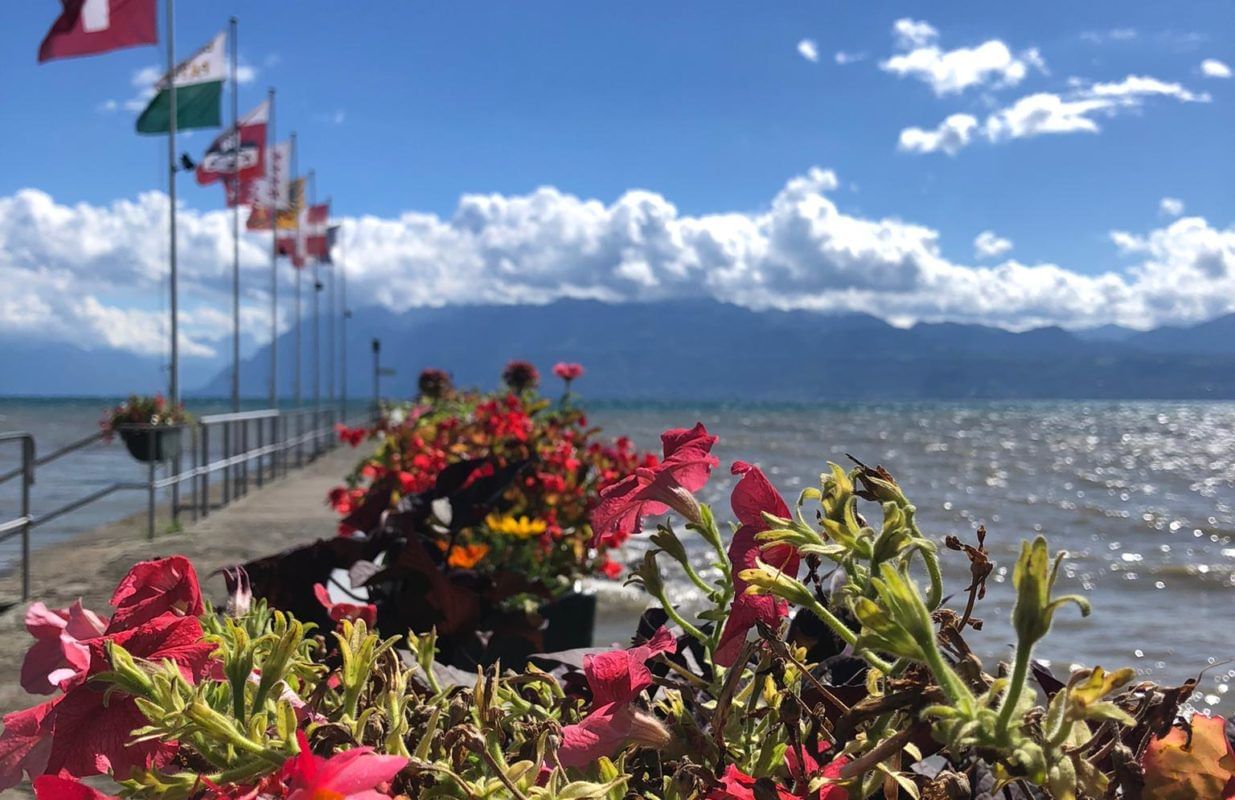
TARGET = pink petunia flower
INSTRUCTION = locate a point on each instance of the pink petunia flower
(737, 785)
(60, 787)
(654, 490)
(354, 774)
(342, 611)
(753, 496)
(152, 588)
(59, 651)
(85, 732)
(616, 678)
(568, 370)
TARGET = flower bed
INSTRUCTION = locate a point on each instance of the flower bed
(539, 527)
(825, 666)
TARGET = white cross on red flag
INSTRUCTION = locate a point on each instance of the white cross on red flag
(86, 27)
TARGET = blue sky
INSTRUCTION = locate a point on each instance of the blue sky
(712, 106)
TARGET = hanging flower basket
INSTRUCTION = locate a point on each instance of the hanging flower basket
(149, 426)
(149, 444)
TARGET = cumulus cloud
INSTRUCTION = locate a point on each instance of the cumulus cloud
(991, 63)
(1213, 68)
(950, 136)
(843, 57)
(988, 244)
(808, 50)
(95, 274)
(1171, 207)
(1076, 111)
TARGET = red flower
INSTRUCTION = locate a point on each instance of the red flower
(81, 733)
(654, 490)
(352, 436)
(153, 588)
(57, 787)
(341, 611)
(616, 678)
(59, 651)
(353, 774)
(753, 496)
(611, 569)
(737, 785)
(568, 371)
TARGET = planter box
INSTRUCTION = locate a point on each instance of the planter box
(152, 444)
(571, 622)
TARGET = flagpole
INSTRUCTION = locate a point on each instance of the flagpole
(173, 387)
(274, 259)
(343, 325)
(331, 311)
(317, 315)
(296, 251)
(235, 45)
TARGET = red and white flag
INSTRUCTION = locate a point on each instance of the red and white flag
(247, 148)
(86, 27)
(314, 237)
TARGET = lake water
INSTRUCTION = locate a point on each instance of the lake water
(1141, 495)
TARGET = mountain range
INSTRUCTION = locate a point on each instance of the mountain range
(706, 350)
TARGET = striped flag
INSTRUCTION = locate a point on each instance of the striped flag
(199, 92)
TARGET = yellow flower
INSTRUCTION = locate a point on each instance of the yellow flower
(520, 527)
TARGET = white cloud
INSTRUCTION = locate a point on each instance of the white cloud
(988, 244)
(843, 57)
(808, 50)
(912, 33)
(991, 63)
(1075, 111)
(1111, 35)
(951, 136)
(96, 274)
(1171, 207)
(1213, 68)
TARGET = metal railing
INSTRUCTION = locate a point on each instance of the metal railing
(249, 448)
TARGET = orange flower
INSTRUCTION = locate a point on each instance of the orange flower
(465, 556)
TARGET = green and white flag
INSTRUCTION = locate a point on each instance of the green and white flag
(199, 92)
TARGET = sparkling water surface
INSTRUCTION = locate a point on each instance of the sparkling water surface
(1141, 495)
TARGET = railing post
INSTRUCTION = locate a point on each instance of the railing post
(175, 487)
(260, 473)
(205, 476)
(27, 478)
(152, 464)
(194, 505)
(227, 468)
(244, 463)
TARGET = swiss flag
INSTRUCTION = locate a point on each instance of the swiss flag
(86, 27)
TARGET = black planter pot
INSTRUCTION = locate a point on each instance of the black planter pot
(571, 622)
(151, 444)
(566, 623)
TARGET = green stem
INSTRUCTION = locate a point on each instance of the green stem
(1020, 672)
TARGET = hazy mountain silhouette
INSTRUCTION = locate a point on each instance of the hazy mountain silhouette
(702, 350)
